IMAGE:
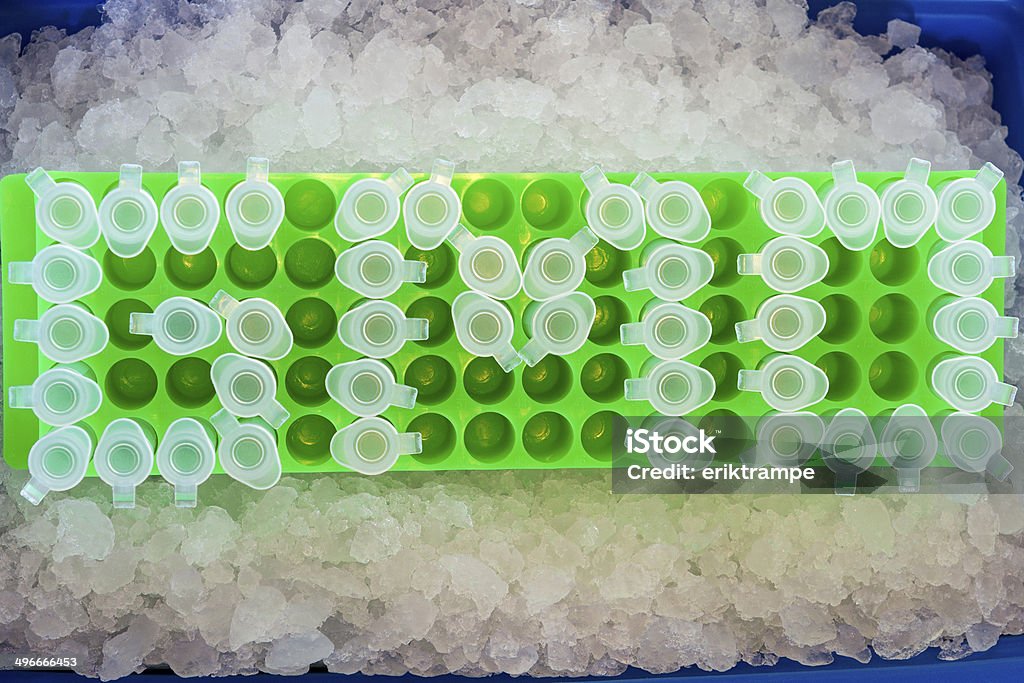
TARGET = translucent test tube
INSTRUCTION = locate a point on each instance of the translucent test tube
(669, 330)
(254, 207)
(372, 445)
(57, 462)
(672, 387)
(247, 451)
(185, 458)
(370, 206)
(431, 208)
(376, 269)
(670, 270)
(66, 333)
(614, 211)
(909, 206)
(367, 387)
(970, 324)
(968, 268)
(557, 326)
(247, 388)
(59, 396)
(852, 208)
(487, 264)
(786, 264)
(967, 205)
(974, 444)
(669, 426)
(379, 329)
(484, 327)
(848, 447)
(124, 458)
(65, 212)
(786, 383)
(255, 327)
(674, 209)
(970, 384)
(787, 439)
(909, 444)
(128, 214)
(58, 274)
(189, 211)
(556, 266)
(787, 205)
(179, 326)
(785, 322)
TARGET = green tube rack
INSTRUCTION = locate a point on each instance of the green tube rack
(876, 347)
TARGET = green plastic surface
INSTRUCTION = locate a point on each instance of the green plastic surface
(876, 347)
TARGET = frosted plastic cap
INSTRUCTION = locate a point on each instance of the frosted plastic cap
(672, 387)
(974, 444)
(128, 214)
(431, 208)
(247, 451)
(367, 387)
(614, 211)
(58, 274)
(674, 209)
(379, 329)
(848, 447)
(967, 205)
(375, 269)
(909, 206)
(669, 330)
(972, 324)
(66, 333)
(787, 383)
(189, 212)
(786, 439)
(255, 327)
(788, 205)
(179, 326)
(909, 444)
(124, 459)
(484, 327)
(57, 462)
(556, 266)
(786, 264)
(254, 207)
(558, 326)
(65, 211)
(247, 388)
(60, 396)
(852, 208)
(372, 445)
(970, 384)
(784, 322)
(370, 207)
(487, 264)
(670, 271)
(185, 459)
(968, 268)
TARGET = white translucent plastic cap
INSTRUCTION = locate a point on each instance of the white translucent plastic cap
(557, 266)
(189, 212)
(614, 211)
(179, 326)
(254, 207)
(60, 396)
(967, 205)
(371, 445)
(379, 329)
(487, 264)
(128, 214)
(970, 384)
(668, 426)
(909, 206)
(674, 209)
(672, 387)
(58, 274)
(670, 270)
(848, 447)
(124, 459)
(968, 268)
(367, 387)
(974, 444)
(376, 269)
(247, 451)
(255, 327)
(786, 440)
(65, 211)
(668, 330)
(57, 462)
(786, 264)
(972, 324)
(788, 206)
(786, 383)
(852, 208)
(785, 322)
(247, 388)
(484, 327)
(432, 208)
(557, 326)
(185, 459)
(909, 444)
(370, 207)
(66, 333)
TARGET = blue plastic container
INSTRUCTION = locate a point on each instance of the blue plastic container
(965, 27)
